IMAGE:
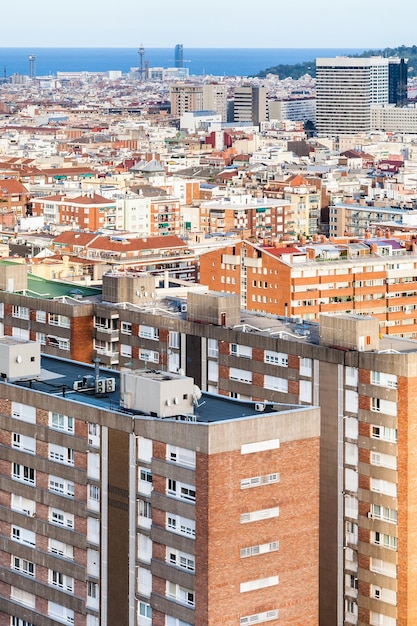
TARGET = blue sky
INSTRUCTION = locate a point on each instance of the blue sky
(202, 24)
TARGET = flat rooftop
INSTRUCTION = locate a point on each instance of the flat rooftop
(58, 376)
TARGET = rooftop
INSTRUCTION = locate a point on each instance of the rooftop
(58, 376)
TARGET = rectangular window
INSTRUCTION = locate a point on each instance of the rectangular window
(23, 505)
(57, 421)
(213, 348)
(255, 516)
(384, 513)
(126, 328)
(260, 583)
(41, 316)
(60, 454)
(259, 618)
(23, 566)
(276, 384)
(148, 332)
(180, 525)
(174, 339)
(242, 376)
(59, 320)
(384, 460)
(21, 535)
(23, 473)
(145, 610)
(24, 412)
(182, 456)
(145, 509)
(256, 481)
(150, 356)
(384, 380)
(57, 579)
(382, 539)
(179, 593)
(242, 351)
(61, 486)
(20, 312)
(259, 549)
(384, 433)
(61, 549)
(180, 559)
(23, 597)
(384, 406)
(24, 443)
(276, 358)
(180, 490)
(60, 613)
(61, 518)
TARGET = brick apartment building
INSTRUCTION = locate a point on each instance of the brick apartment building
(151, 504)
(86, 212)
(366, 388)
(376, 276)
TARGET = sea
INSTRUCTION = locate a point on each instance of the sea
(200, 61)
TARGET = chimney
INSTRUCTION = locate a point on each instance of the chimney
(311, 254)
(303, 240)
(379, 232)
(387, 233)
(315, 238)
(374, 248)
(322, 238)
(367, 234)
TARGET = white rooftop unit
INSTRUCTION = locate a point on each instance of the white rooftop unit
(19, 359)
(160, 394)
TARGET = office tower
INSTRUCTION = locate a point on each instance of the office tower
(179, 55)
(134, 499)
(398, 78)
(215, 99)
(185, 97)
(347, 87)
(251, 104)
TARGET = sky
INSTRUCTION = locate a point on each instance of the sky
(214, 24)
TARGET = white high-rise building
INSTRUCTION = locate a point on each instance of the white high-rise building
(346, 88)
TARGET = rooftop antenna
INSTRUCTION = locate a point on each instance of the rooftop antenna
(141, 53)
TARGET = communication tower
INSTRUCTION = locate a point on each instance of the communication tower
(32, 66)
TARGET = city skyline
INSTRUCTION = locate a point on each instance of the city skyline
(88, 26)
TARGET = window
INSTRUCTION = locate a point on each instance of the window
(384, 406)
(61, 486)
(57, 421)
(384, 460)
(174, 339)
(276, 384)
(60, 613)
(148, 332)
(180, 490)
(255, 516)
(259, 549)
(180, 559)
(61, 454)
(92, 589)
(24, 443)
(23, 566)
(145, 610)
(384, 513)
(213, 348)
(259, 618)
(382, 539)
(23, 473)
(306, 366)
(61, 549)
(255, 481)
(242, 351)
(41, 316)
(260, 583)
(16, 621)
(179, 593)
(145, 509)
(384, 380)
(126, 328)
(242, 376)
(182, 456)
(148, 355)
(145, 475)
(276, 358)
(23, 505)
(384, 433)
(23, 597)
(94, 493)
(57, 579)
(59, 320)
(383, 567)
(22, 535)
(125, 350)
(180, 525)
(24, 412)
(41, 338)
(61, 518)
(20, 312)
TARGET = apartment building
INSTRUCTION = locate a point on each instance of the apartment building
(215, 98)
(357, 219)
(185, 97)
(374, 276)
(119, 497)
(253, 217)
(90, 211)
(250, 104)
(305, 197)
